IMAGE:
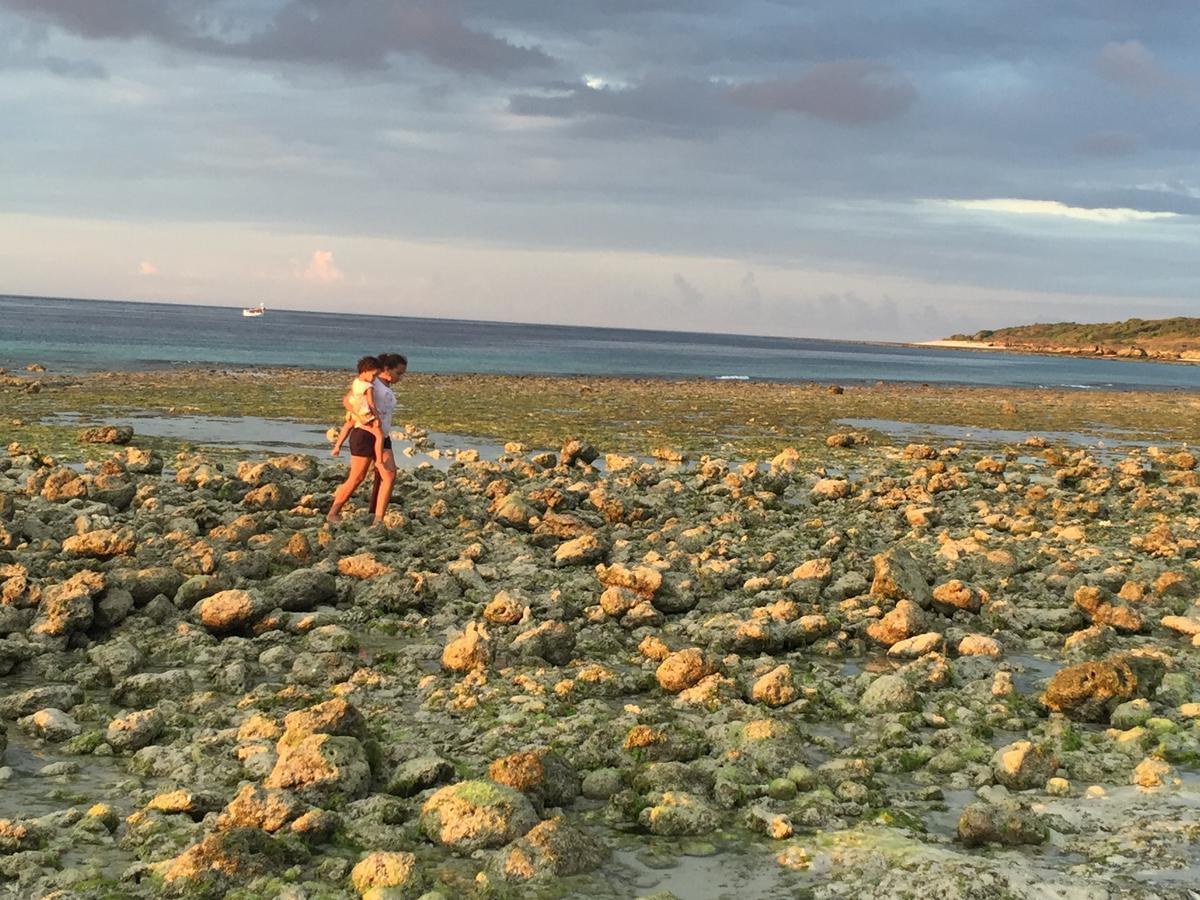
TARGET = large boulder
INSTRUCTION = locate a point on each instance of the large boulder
(232, 611)
(303, 589)
(682, 670)
(476, 815)
(898, 576)
(106, 434)
(1023, 765)
(542, 774)
(468, 651)
(677, 814)
(889, 694)
(905, 621)
(254, 806)
(135, 730)
(224, 858)
(393, 874)
(551, 849)
(322, 768)
(552, 641)
(1010, 824)
(1089, 691)
(103, 543)
(336, 717)
(68, 607)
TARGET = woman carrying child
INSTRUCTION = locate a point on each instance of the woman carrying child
(366, 450)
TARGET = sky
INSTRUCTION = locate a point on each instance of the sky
(832, 168)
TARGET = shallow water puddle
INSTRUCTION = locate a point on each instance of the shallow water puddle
(753, 875)
(28, 793)
(275, 436)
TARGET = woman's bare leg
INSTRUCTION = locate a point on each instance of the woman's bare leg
(381, 491)
(358, 471)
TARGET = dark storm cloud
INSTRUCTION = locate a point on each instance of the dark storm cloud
(847, 93)
(348, 34)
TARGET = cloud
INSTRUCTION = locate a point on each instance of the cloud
(1054, 208)
(1131, 65)
(354, 35)
(147, 268)
(321, 268)
(676, 106)
(857, 92)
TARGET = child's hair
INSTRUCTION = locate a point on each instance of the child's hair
(369, 364)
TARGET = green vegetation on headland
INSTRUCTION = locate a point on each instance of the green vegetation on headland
(1166, 339)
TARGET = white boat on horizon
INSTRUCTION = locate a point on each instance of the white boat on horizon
(253, 312)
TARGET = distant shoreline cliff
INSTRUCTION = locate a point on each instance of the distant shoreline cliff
(1170, 340)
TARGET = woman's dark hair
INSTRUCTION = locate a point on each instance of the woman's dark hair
(391, 360)
(367, 363)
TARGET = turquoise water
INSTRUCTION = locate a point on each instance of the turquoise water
(88, 335)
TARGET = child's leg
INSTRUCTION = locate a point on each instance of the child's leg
(377, 430)
(341, 438)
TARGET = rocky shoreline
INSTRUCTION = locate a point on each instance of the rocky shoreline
(930, 671)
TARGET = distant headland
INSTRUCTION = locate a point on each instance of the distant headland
(1172, 340)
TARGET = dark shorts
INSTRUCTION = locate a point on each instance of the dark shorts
(362, 443)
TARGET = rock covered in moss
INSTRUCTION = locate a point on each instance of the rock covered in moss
(678, 813)
(1089, 691)
(469, 650)
(68, 607)
(889, 694)
(683, 670)
(542, 774)
(476, 815)
(551, 849)
(1008, 823)
(1022, 765)
(230, 611)
(393, 872)
(323, 769)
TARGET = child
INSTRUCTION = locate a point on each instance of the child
(360, 407)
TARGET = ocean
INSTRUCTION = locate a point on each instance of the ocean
(89, 335)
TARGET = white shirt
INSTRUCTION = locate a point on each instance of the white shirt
(385, 404)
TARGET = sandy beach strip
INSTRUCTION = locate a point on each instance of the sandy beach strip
(959, 345)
